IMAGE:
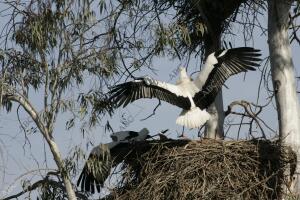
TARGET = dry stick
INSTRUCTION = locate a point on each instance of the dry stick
(249, 113)
(160, 164)
(254, 185)
(153, 112)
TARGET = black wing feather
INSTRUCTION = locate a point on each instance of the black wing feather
(87, 179)
(232, 62)
(126, 93)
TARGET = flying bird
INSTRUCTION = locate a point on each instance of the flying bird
(105, 156)
(193, 96)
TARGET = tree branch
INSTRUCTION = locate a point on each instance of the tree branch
(249, 113)
(19, 98)
(40, 183)
(154, 110)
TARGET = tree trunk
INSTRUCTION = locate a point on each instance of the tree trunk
(214, 126)
(65, 175)
(284, 82)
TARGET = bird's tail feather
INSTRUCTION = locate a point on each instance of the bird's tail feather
(193, 118)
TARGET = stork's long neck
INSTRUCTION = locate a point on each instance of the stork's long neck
(203, 74)
(205, 71)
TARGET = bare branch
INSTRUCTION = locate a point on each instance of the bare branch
(154, 110)
(248, 112)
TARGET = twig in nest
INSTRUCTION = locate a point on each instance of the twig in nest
(205, 169)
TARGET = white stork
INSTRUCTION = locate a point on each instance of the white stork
(105, 156)
(193, 96)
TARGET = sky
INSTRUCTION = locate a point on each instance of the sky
(21, 161)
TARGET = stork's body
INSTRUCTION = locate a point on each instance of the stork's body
(193, 117)
(192, 96)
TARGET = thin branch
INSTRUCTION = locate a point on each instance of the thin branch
(23, 128)
(248, 112)
(154, 110)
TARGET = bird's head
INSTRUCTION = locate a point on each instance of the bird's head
(182, 72)
(183, 75)
(182, 69)
(143, 134)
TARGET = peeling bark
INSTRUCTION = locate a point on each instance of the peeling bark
(284, 82)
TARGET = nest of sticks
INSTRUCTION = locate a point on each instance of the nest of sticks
(206, 169)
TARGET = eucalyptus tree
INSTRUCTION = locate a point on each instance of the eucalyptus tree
(50, 48)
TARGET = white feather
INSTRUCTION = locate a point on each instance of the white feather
(195, 117)
(168, 86)
(205, 71)
(192, 118)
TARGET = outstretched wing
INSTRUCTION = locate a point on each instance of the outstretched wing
(125, 93)
(105, 156)
(230, 62)
(96, 169)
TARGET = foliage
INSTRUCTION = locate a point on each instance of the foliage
(53, 48)
(58, 46)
